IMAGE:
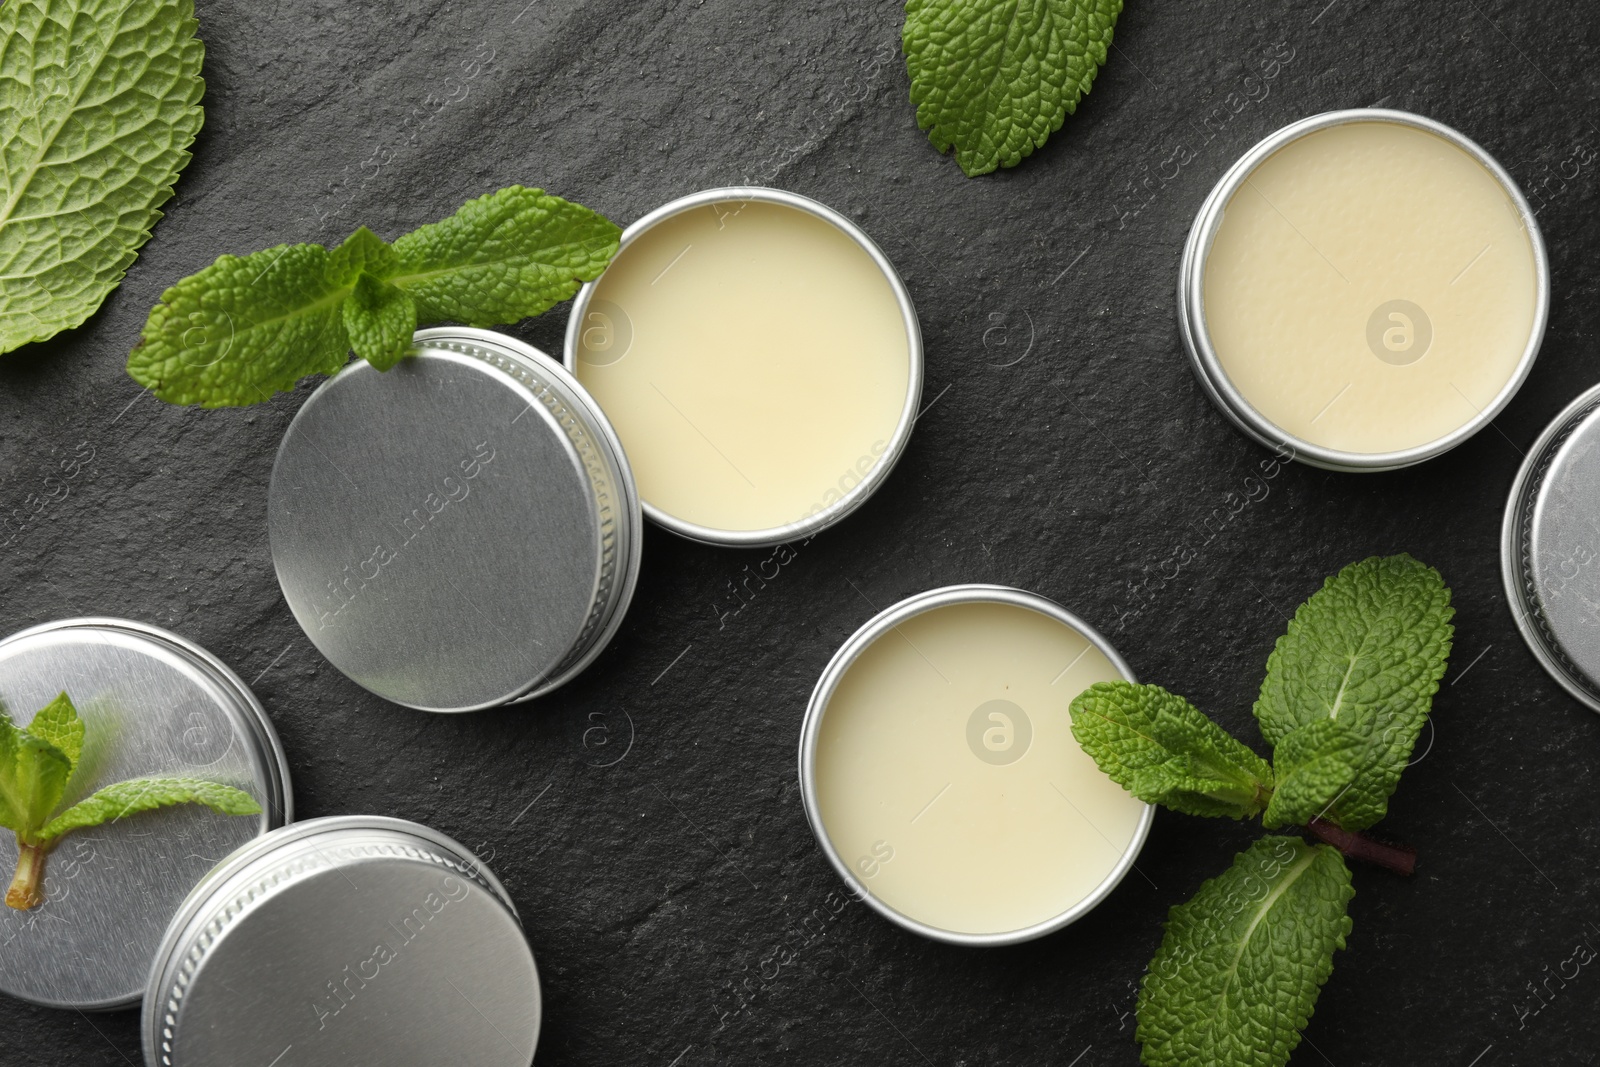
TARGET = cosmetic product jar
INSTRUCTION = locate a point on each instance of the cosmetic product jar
(1363, 290)
(760, 359)
(459, 532)
(343, 941)
(1550, 549)
(152, 704)
(940, 775)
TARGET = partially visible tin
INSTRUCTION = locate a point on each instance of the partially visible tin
(1550, 549)
(823, 516)
(153, 704)
(882, 624)
(1208, 366)
(344, 941)
(459, 532)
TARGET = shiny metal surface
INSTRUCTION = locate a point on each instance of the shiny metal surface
(817, 708)
(1197, 338)
(355, 941)
(859, 493)
(1550, 549)
(152, 704)
(459, 532)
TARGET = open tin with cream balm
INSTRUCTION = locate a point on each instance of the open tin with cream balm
(1363, 290)
(463, 530)
(940, 775)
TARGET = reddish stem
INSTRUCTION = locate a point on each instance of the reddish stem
(1401, 859)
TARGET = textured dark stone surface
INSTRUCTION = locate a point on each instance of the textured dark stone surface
(658, 889)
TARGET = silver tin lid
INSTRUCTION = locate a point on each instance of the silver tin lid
(1550, 549)
(340, 942)
(459, 532)
(865, 485)
(1207, 364)
(152, 704)
(811, 730)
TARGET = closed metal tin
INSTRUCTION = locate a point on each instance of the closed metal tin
(152, 703)
(1550, 549)
(858, 494)
(344, 941)
(1208, 367)
(459, 532)
(883, 623)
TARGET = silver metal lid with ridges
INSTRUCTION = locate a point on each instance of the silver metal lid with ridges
(459, 532)
(1208, 365)
(1550, 549)
(343, 941)
(152, 703)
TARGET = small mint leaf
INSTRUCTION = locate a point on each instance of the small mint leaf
(147, 794)
(1315, 766)
(1164, 750)
(41, 779)
(380, 319)
(993, 79)
(503, 257)
(58, 724)
(1237, 975)
(362, 252)
(12, 808)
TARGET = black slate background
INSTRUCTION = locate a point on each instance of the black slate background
(1067, 449)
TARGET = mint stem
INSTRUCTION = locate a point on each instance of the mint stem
(1401, 859)
(27, 888)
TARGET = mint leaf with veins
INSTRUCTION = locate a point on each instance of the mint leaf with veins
(99, 102)
(380, 319)
(993, 79)
(1316, 765)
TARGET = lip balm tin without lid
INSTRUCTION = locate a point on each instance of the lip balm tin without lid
(1208, 366)
(880, 625)
(857, 494)
(343, 941)
(1550, 549)
(152, 703)
(459, 532)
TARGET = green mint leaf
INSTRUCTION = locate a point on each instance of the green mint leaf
(1239, 970)
(41, 778)
(146, 794)
(1367, 649)
(503, 257)
(362, 251)
(12, 808)
(1315, 765)
(98, 105)
(1164, 750)
(380, 319)
(57, 724)
(245, 327)
(993, 79)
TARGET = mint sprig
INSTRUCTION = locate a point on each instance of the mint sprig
(248, 326)
(993, 79)
(1348, 689)
(99, 103)
(37, 765)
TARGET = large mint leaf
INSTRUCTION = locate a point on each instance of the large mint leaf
(1237, 975)
(1367, 649)
(99, 101)
(993, 79)
(1164, 750)
(147, 794)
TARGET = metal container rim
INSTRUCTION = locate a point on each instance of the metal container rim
(859, 493)
(1197, 339)
(816, 708)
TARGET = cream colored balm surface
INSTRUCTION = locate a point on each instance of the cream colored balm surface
(948, 778)
(753, 359)
(1371, 288)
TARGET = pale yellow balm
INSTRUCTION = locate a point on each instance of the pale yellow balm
(948, 779)
(1371, 288)
(753, 358)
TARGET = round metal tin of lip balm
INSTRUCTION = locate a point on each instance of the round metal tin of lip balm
(152, 703)
(1208, 365)
(963, 734)
(1550, 549)
(345, 940)
(854, 496)
(459, 532)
